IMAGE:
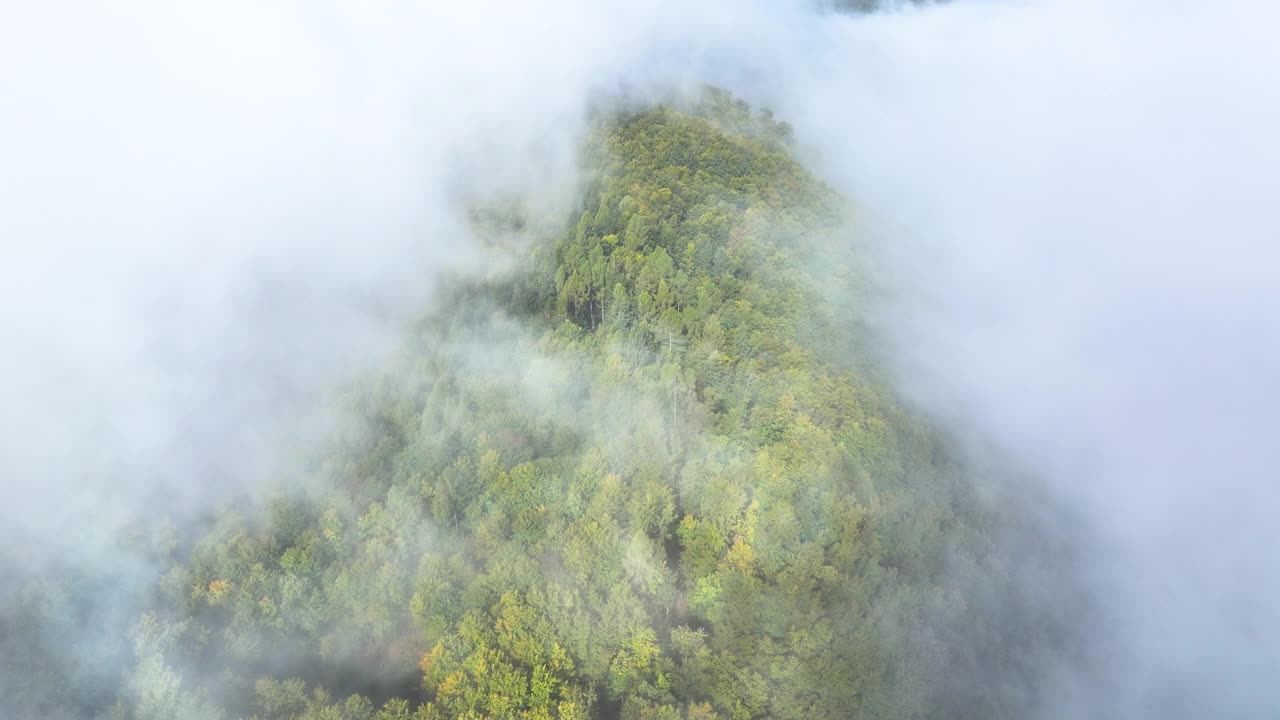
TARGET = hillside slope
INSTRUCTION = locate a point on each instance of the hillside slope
(628, 479)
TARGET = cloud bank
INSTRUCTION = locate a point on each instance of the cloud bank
(1080, 221)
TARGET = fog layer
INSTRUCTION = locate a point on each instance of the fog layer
(1079, 214)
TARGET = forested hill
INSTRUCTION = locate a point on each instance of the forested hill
(626, 480)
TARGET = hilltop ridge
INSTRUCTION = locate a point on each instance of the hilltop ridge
(617, 482)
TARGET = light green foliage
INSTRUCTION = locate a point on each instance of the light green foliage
(622, 482)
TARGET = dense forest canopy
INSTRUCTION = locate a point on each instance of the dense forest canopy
(628, 478)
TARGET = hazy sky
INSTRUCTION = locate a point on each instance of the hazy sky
(210, 212)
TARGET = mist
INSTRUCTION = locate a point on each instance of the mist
(212, 216)
(1079, 226)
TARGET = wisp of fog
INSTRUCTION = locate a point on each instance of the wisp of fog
(208, 215)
